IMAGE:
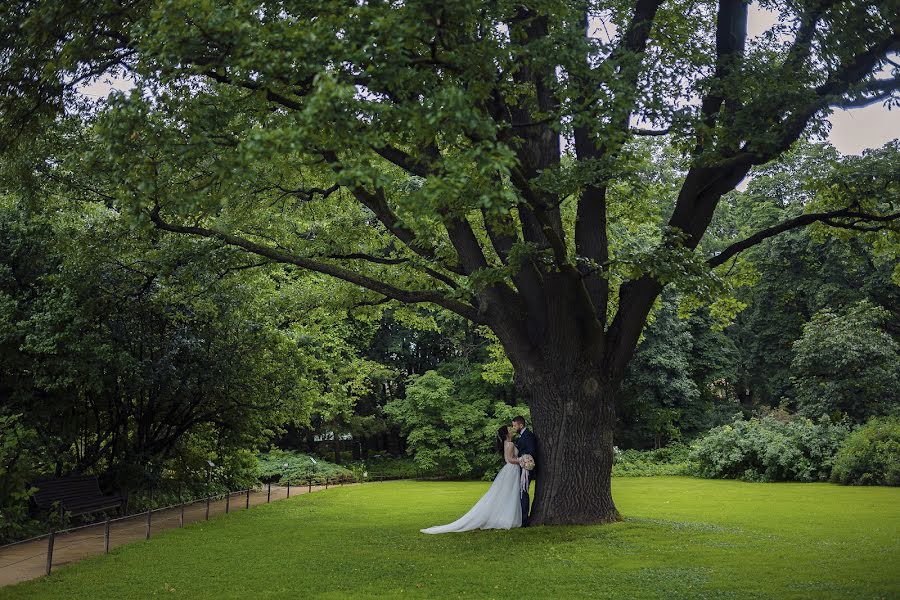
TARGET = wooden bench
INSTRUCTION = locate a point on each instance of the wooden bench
(77, 495)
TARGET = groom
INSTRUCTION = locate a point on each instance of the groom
(526, 444)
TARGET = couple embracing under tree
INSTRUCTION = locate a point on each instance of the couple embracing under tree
(505, 504)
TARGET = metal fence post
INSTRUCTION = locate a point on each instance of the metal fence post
(106, 537)
(181, 520)
(50, 540)
(309, 481)
(326, 483)
(289, 488)
(149, 512)
(248, 498)
(227, 501)
(269, 494)
(207, 508)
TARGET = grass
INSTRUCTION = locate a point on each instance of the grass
(681, 538)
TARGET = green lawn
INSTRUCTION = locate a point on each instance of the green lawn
(682, 538)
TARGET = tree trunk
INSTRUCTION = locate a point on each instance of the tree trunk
(574, 416)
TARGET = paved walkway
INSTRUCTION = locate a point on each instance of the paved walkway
(28, 560)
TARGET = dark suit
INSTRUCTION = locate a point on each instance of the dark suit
(526, 444)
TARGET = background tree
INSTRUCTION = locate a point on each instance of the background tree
(117, 354)
(417, 151)
(450, 417)
(412, 341)
(680, 383)
(783, 283)
(846, 364)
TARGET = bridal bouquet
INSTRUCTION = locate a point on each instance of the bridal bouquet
(526, 461)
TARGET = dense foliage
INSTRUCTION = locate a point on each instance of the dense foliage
(19, 451)
(870, 455)
(847, 364)
(771, 448)
(669, 460)
(123, 354)
(284, 466)
(451, 423)
(794, 276)
(681, 381)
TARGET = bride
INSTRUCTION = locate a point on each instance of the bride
(499, 508)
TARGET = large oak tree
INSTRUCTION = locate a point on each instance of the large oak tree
(473, 155)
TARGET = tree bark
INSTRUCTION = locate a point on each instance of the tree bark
(573, 415)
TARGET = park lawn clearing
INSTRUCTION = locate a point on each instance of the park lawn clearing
(680, 538)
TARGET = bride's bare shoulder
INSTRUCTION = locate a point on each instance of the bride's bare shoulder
(509, 450)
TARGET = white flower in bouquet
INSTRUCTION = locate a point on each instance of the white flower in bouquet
(526, 461)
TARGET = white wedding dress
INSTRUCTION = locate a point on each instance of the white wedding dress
(499, 508)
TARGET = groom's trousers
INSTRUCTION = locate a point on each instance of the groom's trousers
(525, 500)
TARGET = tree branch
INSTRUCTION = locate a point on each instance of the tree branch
(536, 145)
(281, 256)
(368, 257)
(306, 195)
(377, 203)
(539, 209)
(731, 37)
(650, 132)
(697, 199)
(829, 93)
(396, 261)
(527, 278)
(882, 88)
(801, 221)
(271, 95)
(560, 255)
(802, 46)
(591, 239)
(858, 67)
(405, 161)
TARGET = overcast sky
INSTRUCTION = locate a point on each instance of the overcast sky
(852, 130)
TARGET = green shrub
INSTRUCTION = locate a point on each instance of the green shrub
(284, 466)
(388, 467)
(771, 448)
(18, 449)
(670, 460)
(188, 476)
(870, 455)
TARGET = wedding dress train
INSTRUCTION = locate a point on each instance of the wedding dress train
(499, 508)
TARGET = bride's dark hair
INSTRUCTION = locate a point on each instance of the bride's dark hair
(501, 437)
